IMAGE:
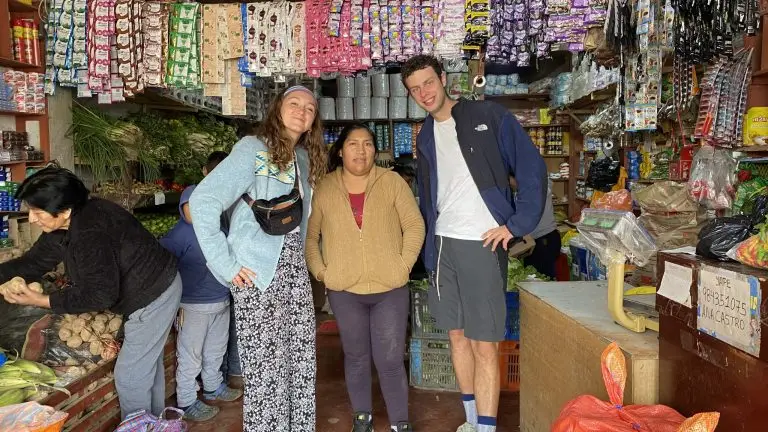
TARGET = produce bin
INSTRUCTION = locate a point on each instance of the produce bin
(93, 405)
(422, 323)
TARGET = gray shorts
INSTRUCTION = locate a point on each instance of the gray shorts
(468, 289)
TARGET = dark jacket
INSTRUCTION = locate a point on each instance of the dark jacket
(200, 285)
(495, 147)
(112, 262)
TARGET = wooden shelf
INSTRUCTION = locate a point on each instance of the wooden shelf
(20, 114)
(586, 101)
(560, 180)
(11, 63)
(519, 97)
(563, 156)
(752, 149)
(538, 125)
(18, 6)
(16, 162)
(584, 200)
(344, 122)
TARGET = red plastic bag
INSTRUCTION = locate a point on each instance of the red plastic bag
(589, 414)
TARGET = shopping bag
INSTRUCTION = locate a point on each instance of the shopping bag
(143, 421)
(589, 414)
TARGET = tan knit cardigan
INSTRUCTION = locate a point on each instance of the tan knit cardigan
(375, 258)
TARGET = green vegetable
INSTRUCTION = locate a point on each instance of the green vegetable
(12, 397)
(517, 272)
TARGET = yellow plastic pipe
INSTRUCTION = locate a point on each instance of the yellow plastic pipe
(636, 323)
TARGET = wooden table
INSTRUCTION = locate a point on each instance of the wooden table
(564, 328)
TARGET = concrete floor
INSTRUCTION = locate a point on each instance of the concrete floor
(430, 411)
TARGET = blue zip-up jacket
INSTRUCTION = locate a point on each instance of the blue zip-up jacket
(495, 146)
(199, 285)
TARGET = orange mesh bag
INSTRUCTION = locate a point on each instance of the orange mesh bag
(589, 414)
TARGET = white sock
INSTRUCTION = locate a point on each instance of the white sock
(485, 428)
(470, 409)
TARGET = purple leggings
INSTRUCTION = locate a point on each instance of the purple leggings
(374, 325)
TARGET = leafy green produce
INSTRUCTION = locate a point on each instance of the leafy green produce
(518, 272)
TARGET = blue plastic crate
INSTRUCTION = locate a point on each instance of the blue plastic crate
(513, 316)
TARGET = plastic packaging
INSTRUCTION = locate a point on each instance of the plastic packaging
(603, 174)
(346, 87)
(712, 178)
(603, 231)
(752, 252)
(722, 234)
(619, 200)
(31, 417)
(327, 108)
(587, 413)
(396, 87)
(344, 109)
(379, 108)
(380, 85)
(362, 86)
(398, 107)
(362, 108)
(142, 421)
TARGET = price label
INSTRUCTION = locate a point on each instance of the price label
(159, 198)
(729, 308)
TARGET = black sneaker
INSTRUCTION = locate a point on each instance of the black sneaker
(362, 422)
(404, 427)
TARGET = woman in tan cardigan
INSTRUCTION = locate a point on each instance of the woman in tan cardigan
(363, 237)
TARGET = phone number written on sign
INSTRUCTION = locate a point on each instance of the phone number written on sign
(730, 310)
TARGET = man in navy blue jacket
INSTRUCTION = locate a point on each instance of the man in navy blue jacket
(466, 153)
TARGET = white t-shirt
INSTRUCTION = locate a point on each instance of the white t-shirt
(462, 213)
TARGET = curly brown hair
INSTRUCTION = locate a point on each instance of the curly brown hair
(279, 145)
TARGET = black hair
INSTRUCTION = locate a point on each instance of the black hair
(215, 159)
(419, 62)
(334, 159)
(404, 170)
(53, 190)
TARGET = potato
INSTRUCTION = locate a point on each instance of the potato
(78, 325)
(86, 316)
(96, 347)
(71, 362)
(15, 285)
(107, 338)
(104, 318)
(68, 318)
(87, 335)
(114, 324)
(75, 341)
(98, 327)
(65, 334)
(91, 366)
(36, 287)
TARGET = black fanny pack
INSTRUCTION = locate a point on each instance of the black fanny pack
(279, 215)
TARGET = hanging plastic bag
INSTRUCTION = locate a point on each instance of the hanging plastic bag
(713, 176)
(31, 417)
(589, 414)
(603, 174)
(720, 235)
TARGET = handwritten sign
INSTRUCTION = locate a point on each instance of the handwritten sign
(676, 283)
(729, 308)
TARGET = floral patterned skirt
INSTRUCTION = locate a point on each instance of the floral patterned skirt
(276, 342)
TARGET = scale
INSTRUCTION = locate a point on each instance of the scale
(616, 237)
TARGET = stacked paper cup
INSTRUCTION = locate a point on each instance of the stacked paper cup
(380, 85)
(362, 108)
(344, 108)
(398, 107)
(379, 108)
(327, 108)
(396, 87)
(345, 87)
(363, 86)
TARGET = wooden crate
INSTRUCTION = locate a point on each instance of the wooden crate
(93, 405)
